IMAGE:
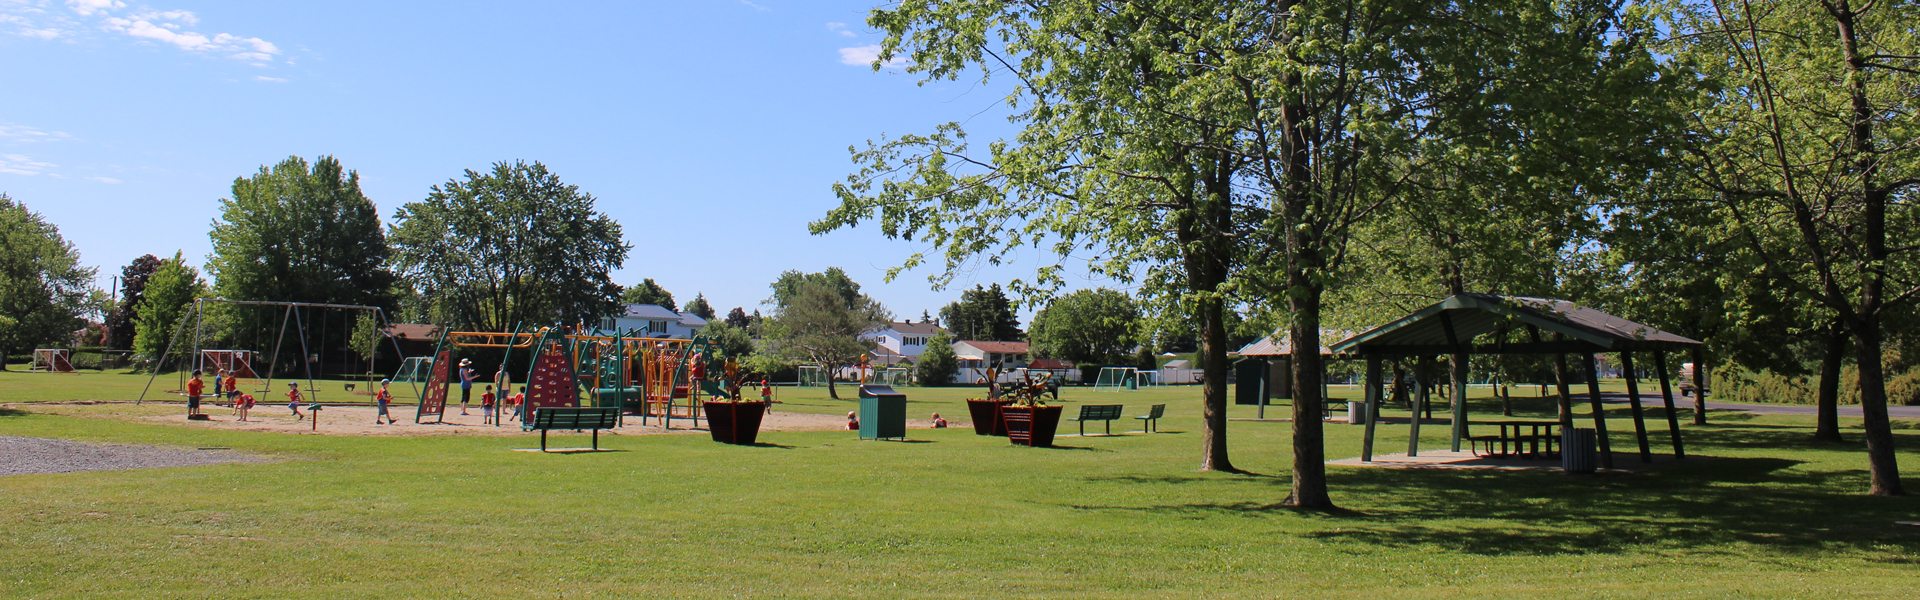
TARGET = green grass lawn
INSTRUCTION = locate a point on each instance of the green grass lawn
(1767, 513)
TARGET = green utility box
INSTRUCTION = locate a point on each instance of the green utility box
(883, 413)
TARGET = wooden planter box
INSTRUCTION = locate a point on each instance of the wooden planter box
(735, 422)
(1031, 425)
(986, 416)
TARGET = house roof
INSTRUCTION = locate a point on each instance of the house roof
(996, 347)
(1178, 364)
(910, 328)
(1050, 364)
(414, 332)
(1279, 344)
(692, 320)
(650, 311)
(1451, 325)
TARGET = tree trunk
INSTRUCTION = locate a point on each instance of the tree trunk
(834, 393)
(1828, 428)
(1309, 443)
(1213, 368)
(1873, 406)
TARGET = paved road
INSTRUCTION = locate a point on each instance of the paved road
(1897, 412)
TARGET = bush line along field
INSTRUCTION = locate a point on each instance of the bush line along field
(1762, 511)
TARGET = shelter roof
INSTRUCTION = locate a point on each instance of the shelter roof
(1279, 344)
(1452, 324)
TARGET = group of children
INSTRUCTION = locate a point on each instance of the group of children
(853, 421)
(226, 385)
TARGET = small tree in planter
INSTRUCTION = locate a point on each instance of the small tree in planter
(731, 418)
(1029, 421)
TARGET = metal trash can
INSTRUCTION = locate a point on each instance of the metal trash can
(1356, 413)
(1579, 450)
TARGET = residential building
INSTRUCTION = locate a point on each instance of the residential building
(977, 356)
(900, 343)
(653, 320)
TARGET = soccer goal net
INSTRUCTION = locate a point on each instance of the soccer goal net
(1115, 377)
(1146, 378)
(414, 369)
(812, 376)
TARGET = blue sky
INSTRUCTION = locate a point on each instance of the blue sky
(712, 130)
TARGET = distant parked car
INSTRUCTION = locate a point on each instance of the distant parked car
(1686, 380)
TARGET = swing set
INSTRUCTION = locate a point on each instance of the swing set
(191, 334)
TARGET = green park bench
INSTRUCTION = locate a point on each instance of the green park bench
(1106, 413)
(550, 418)
(1151, 420)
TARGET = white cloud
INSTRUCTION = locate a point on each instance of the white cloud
(864, 56)
(30, 21)
(88, 8)
(754, 5)
(22, 133)
(840, 28)
(107, 180)
(266, 79)
(173, 27)
(21, 164)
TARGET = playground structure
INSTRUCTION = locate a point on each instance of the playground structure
(190, 333)
(52, 360)
(664, 378)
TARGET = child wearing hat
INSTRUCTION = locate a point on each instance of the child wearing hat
(382, 399)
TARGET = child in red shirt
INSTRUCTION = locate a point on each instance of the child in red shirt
(939, 423)
(293, 401)
(245, 403)
(853, 422)
(486, 407)
(194, 388)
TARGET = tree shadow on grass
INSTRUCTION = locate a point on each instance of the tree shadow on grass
(1697, 505)
(12, 412)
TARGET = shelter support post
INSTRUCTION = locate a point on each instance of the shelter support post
(1421, 392)
(1599, 414)
(1666, 396)
(1373, 407)
(1633, 400)
(1459, 418)
(1699, 386)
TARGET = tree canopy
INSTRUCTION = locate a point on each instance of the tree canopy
(170, 293)
(43, 287)
(699, 307)
(300, 232)
(649, 292)
(511, 245)
(1092, 327)
(819, 319)
(133, 285)
(983, 313)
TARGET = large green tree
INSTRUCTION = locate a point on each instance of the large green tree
(649, 292)
(1227, 148)
(936, 366)
(301, 232)
(513, 245)
(819, 318)
(1092, 327)
(133, 286)
(170, 293)
(983, 313)
(1805, 132)
(43, 288)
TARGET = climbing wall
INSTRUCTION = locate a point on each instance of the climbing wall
(551, 383)
(434, 402)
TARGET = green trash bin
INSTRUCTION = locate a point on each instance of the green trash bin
(883, 413)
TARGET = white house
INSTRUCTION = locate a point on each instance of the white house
(653, 320)
(976, 356)
(898, 343)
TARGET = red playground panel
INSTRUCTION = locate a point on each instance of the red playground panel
(552, 383)
(434, 401)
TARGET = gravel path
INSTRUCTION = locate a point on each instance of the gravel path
(22, 455)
